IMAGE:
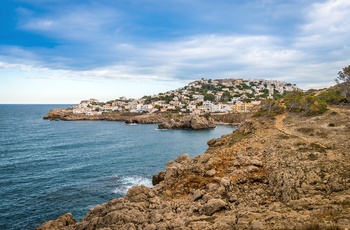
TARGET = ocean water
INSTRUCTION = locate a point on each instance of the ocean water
(48, 168)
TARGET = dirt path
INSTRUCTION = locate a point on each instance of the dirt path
(280, 126)
(341, 111)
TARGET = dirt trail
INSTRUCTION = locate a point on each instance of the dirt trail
(341, 111)
(280, 126)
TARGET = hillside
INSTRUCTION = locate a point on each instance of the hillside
(287, 172)
(199, 97)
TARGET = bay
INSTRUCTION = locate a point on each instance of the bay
(48, 168)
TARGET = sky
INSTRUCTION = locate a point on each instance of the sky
(56, 52)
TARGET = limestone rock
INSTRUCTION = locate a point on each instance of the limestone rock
(188, 122)
(63, 222)
(139, 193)
(257, 225)
(265, 175)
(213, 206)
(156, 179)
(184, 158)
(198, 122)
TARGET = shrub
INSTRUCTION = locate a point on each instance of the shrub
(317, 107)
(332, 96)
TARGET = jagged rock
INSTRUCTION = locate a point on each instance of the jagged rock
(139, 193)
(225, 181)
(211, 172)
(247, 127)
(188, 122)
(156, 179)
(198, 122)
(198, 194)
(211, 142)
(257, 225)
(213, 206)
(262, 176)
(184, 158)
(63, 222)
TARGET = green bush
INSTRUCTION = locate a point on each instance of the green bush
(298, 101)
(332, 96)
(317, 107)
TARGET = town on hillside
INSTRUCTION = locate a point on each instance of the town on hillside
(198, 97)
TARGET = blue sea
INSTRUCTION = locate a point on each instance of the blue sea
(49, 168)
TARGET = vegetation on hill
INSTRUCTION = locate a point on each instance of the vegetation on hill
(311, 102)
(343, 80)
(224, 91)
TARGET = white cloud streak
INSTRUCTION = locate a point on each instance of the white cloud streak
(311, 59)
(74, 23)
(327, 25)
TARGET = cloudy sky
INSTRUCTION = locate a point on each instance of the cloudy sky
(64, 51)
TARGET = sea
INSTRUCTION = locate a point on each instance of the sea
(49, 168)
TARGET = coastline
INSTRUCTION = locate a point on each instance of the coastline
(150, 118)
(268, 174)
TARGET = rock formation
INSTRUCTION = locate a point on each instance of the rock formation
(165, 121)
(67, 115)
(291, 172)
(188, 122)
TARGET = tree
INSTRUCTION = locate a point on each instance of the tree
(293, 100)
(209, 97)
(332, 96)
(226, 96)
(298, 101)
(271, 106)
(343, 80)
(307, 101)
(318, 107)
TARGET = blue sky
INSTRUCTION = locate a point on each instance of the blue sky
(65, 51)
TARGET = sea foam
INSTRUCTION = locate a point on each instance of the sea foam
(126, 182)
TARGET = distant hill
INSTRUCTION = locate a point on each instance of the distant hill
(228, 90)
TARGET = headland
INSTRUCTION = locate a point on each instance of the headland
(284, 172)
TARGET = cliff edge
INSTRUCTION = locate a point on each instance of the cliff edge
(165, 121)
(290, 172)
(189, 122)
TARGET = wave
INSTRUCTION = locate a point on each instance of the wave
(126, 182)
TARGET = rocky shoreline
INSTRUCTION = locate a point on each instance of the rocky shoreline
(291, 172)
(165, 121)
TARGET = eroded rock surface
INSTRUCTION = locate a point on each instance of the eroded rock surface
(288, 173)
(165, 121)
(188, 122)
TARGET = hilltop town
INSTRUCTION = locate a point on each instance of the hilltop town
(198, 97)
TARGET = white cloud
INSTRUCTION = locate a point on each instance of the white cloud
(327, 25)
(74, 23)
(311, 58)
(187, 58)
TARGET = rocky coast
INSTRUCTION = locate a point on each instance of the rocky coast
(165, 120)
(285, 172)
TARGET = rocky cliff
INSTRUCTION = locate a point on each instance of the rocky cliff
(188, 122)
(165, 121)
(67, 115)
(291, 172)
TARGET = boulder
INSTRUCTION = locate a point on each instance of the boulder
(188, 122)
(213, 206)
(157, 178)
(139, 193)
(198, 122)
(62, 222)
